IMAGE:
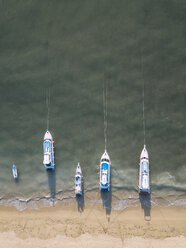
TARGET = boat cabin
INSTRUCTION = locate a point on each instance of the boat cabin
(104, 176)
(105, 160)
(144, 182)
(47, 148)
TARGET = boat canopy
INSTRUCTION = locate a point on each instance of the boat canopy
(47, 146)
(145, 182)
(104, 166)
(104, 173)
(145, 176)
(144, 167)
(78, 178)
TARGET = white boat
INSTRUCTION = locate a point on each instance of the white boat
(14, 171)
(105, 164)
(144, 175)
(78, 181)
(48, 150)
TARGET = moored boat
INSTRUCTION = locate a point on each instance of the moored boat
(78, 181)
(48, 150)
(144, 175)
(105, 164)
(14, 171)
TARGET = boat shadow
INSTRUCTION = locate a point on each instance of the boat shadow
(106, 197)
(145, 200)
(52, 182)
(80, 200)
(16, 180)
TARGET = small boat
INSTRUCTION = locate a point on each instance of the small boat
(144, 175)
(14, 171)
(78, 181)
(48, 150)
(105, 164)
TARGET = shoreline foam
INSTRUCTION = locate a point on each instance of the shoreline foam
(117, 200)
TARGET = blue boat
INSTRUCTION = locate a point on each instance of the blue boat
(144, 174)
(14, 171)
(105, 164)
(48, 150)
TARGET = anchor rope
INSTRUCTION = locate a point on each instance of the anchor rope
(48, 89)
(143, 99)
(105, 111)
(48, 107)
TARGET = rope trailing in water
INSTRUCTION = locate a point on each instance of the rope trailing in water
(105, 111)
(48, 107)
(143, 99)
(48, 87)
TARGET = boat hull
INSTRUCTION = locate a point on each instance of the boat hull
(144, 173)
(48, 151)
(105, 172)
(78, 181)
(14, 172)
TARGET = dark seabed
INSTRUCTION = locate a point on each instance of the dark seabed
(71, 48)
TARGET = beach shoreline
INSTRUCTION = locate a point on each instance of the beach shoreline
(64, 223)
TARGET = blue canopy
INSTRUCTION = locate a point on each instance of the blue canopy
(47, 146)
(145, 167)
(105, 169)
(104, 166)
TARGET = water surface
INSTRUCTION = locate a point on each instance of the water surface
(71, 48)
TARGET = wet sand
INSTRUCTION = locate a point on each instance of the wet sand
(94, 227)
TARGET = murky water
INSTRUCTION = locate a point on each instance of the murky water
(71, 48)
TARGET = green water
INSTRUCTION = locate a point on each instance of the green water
(71, 48)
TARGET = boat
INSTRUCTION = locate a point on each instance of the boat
(144, 175)
(48, 150)
(105, 164)
(78, 181)
(14, 171)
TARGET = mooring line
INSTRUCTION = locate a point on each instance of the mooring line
(48, 107)
(105, 111)
(143, 98)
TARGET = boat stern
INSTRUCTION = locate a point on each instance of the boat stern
(144, 191)
(104, 187)
(49, 166)
(78, 191)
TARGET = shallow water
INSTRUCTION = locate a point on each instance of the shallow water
(71, 48)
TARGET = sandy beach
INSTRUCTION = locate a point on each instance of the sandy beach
(64, 225)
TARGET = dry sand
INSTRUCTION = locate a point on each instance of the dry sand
(63, 226)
